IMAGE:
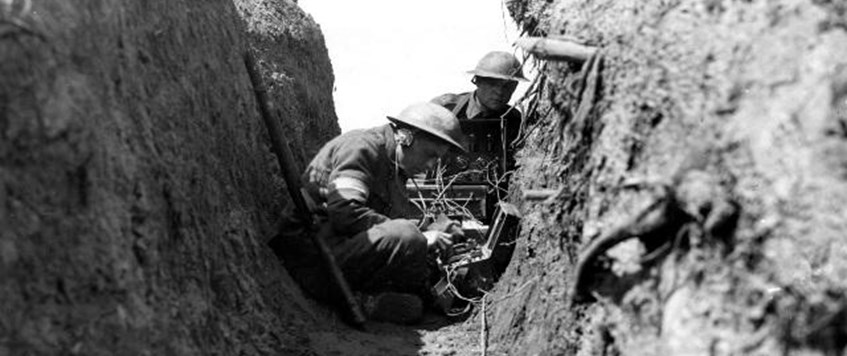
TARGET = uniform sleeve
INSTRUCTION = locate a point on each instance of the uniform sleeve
(350, 186)
(447, 100)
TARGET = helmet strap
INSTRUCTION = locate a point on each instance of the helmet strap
(403, 137)
(397, 153)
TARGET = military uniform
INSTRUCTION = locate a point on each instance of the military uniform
(359, 199)
(465, 106)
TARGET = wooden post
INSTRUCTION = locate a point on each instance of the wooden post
(556, 49)
(292, 180)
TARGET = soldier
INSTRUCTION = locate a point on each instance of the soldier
(356, 185)
(491, 124)
(496, 76)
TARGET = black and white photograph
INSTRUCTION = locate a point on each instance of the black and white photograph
(432, 178)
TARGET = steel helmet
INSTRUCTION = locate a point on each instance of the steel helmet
(435, 120)
(499, 65)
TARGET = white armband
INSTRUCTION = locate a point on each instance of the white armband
(350, 189)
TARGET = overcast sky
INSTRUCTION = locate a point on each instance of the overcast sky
(387, 54)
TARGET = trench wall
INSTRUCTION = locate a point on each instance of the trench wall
(753, 94)
(136, 183)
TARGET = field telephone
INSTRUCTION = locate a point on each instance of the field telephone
(477, 262)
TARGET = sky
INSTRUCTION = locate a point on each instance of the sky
(388, 54)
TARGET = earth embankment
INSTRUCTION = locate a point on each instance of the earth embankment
(136, 184)
(739, 105)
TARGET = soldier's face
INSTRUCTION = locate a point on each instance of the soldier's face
(494, 93)
(422, 155)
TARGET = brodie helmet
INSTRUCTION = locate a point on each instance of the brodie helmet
(499, 65)
(435, 120)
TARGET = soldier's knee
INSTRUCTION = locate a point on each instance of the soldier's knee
(407, 235)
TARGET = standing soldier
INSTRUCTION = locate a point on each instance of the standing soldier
(356, 185)
(491, 124)
(496, 76)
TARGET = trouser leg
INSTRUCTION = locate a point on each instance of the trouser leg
(387, 257)
(391, 256)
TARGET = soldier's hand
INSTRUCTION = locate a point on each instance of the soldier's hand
(439, 241)
(455, 231)
(445, 224)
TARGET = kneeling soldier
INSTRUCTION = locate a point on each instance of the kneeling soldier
(356, 185)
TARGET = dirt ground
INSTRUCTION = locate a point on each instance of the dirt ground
(435, 335)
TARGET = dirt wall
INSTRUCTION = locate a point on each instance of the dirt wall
(703, 103)
(136, 183)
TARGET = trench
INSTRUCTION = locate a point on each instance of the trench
(693, 169)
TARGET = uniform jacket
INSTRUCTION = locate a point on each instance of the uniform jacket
(465, 106)
(366, 158)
